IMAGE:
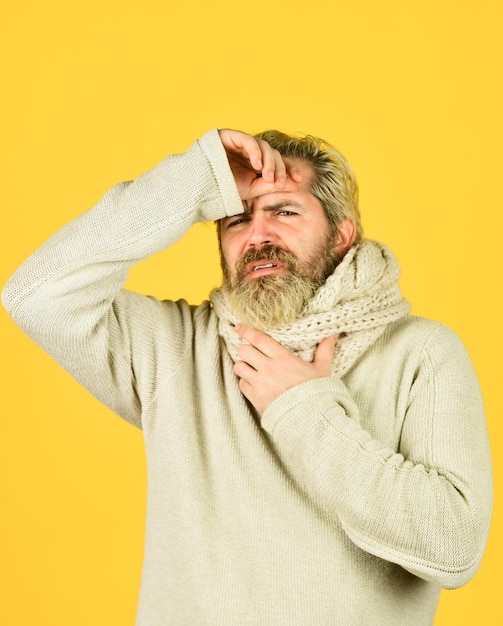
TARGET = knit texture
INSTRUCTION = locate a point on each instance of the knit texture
(357, 301)
(350, 501)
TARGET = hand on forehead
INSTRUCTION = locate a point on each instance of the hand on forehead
(298, 179)
(258, 168)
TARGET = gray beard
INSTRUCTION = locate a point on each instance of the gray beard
(269, 301)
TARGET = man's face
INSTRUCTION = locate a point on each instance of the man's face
(277, 253)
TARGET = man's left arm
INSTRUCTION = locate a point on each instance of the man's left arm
(425, 505)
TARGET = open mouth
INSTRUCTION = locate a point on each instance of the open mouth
(264, 266)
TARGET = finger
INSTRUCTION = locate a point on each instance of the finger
(267, 345)
(260, 187)
(325, 353)
(237, 142)
(243, 371)
(246, 388)
(251, 149)
(274, 168)
(252, 356)
(294, 173)
(267, 161)
(279, 171)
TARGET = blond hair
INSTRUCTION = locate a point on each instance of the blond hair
(334, 183)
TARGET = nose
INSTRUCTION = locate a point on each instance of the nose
(261, 231)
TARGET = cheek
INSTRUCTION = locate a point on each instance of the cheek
(230, 251)
(227, 259)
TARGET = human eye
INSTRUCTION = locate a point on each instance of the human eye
(236, 221)
(286, 212)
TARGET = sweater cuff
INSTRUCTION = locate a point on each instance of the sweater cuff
(214, 151)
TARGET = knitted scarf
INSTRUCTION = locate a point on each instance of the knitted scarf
(358, 301)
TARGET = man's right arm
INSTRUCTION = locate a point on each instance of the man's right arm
(68, 295)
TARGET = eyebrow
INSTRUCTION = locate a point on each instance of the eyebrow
(275, 207)
(280, 205)
(270, 207)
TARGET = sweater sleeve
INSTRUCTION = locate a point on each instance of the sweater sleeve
(68, 295)
(425, 505)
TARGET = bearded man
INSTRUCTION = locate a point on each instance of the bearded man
(316, 455)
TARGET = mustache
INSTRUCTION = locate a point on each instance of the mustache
(269, 252)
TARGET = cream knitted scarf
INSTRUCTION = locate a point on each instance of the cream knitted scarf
(358, 301)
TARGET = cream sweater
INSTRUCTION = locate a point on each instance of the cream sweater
(349, 502)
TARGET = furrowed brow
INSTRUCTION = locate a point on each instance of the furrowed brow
(281, 205)
(270, 207)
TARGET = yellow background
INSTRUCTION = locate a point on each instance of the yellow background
(96, 92)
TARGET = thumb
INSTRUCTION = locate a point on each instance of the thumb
(325, 352)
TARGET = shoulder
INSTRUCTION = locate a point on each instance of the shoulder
(413, 344)
(431, 347)
(422, 335)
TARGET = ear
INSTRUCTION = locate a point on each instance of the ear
(345, 236)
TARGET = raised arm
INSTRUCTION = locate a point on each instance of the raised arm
(68, 295)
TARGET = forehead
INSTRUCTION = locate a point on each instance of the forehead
(292, 188)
